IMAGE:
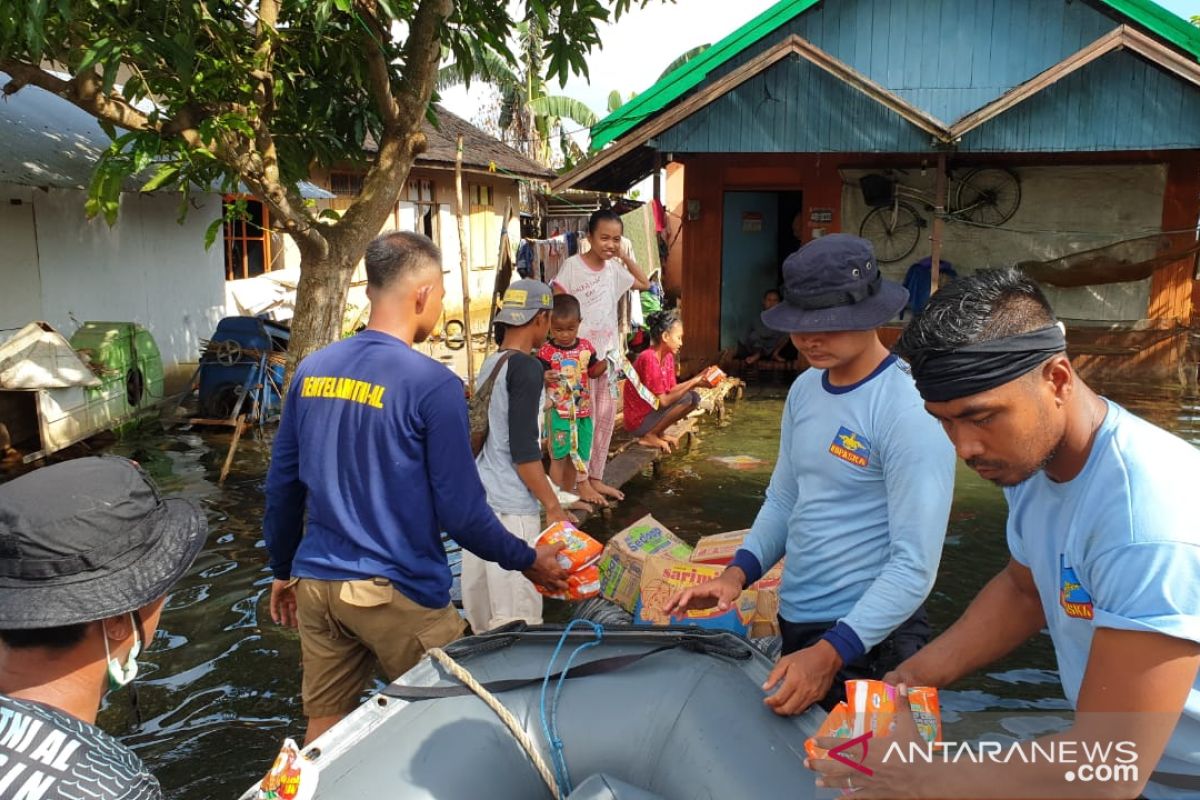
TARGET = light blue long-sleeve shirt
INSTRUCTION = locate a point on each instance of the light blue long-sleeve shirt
(858, 502)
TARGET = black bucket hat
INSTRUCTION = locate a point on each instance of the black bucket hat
(88, 539)
(833, 284)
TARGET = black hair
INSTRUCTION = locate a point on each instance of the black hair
(604, 214)
(991, 304)
(61, 638)
(660, 322)
(566, 307)
(399, 254)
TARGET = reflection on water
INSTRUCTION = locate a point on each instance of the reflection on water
(222, 683)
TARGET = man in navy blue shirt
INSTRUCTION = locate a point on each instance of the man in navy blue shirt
(374, 446)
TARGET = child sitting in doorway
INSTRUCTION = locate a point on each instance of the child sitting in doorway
(660, 401)
(570, 362)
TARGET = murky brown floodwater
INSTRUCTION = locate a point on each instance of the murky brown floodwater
(221, 686)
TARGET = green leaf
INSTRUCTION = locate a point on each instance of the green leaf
(564, 108)
(683, 59)
(343, 5)
(210, 234)
(166, 173)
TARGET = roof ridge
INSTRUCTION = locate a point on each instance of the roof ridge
(671, 87)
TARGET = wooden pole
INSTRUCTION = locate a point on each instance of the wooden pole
(462, 262)
(939, 211)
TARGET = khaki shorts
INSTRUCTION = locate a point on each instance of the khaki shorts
(347, 627)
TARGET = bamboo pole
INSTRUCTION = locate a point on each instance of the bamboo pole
(939, 212)
(462, 262)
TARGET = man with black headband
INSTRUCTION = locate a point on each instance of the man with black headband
(1105, 554)
(861, 492)
(88, 552)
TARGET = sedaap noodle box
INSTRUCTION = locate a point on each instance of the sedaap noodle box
(625, 554)
(663, 577)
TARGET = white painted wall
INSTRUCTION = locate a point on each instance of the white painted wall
(1064, 209)
(20, 278)
(147, 268)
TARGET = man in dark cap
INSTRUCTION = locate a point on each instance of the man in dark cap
(1105, 556)
(861, 493)
(88, 552)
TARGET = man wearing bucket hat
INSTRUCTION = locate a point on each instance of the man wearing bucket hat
(861, 493)
(510, 464)
(1105, 554)
(371, 463)
(88, 552)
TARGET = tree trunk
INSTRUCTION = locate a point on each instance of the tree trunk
(320, 303)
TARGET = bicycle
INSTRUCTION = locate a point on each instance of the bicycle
(985, 196)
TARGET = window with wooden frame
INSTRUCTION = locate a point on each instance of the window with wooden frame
(423, 196)
(345, 186)
(247, 241)
(485, 227)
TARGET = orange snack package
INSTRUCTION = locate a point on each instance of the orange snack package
(580, 585)
(871, 706)
(580, 549)
(837, 725)
(713, 376)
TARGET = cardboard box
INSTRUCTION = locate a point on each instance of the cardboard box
(718, 548)
(621, 562)
(663, 577)
(766, 612)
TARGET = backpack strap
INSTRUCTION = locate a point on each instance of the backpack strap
(490, 381)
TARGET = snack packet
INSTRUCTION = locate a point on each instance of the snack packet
(713, 376)
(871, 706)
(580, 549)
(580, 585)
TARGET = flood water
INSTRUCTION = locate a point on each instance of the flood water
(221, 683)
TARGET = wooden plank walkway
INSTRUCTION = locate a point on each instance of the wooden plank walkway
(627, 458)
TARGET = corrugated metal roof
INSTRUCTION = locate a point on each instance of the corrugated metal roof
(50, 142)
(1145, 13)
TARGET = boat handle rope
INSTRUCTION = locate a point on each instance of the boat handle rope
(514, 727)
(550, 725)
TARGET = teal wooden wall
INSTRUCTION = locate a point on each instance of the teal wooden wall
(948, 58)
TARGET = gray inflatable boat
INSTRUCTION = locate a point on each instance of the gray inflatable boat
(643, 713)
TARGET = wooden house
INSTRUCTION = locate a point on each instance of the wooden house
(492, 176)
(1087, 110)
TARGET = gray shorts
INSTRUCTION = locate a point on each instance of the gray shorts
(654, 417)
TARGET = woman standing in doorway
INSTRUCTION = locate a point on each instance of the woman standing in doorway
(599, 278)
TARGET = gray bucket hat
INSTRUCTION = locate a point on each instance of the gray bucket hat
(88, 539)
(833, 284)
(523, 300)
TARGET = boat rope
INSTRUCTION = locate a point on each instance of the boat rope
(550, 724)
(514, 727)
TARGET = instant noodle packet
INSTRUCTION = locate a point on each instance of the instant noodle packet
(579, 551)
(871, 706)
(580, 585)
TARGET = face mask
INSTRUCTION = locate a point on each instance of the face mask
(119, 676)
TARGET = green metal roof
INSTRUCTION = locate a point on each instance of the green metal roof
(1146, 13)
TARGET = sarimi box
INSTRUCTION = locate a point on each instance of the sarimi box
(623, 557)
(663, 577)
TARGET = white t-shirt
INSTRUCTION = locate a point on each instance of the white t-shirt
(598, 292)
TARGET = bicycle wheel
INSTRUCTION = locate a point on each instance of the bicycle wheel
(988, 196)
(893, 235)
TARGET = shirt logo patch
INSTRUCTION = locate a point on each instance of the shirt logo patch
(851, 447)
(1073, 597)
